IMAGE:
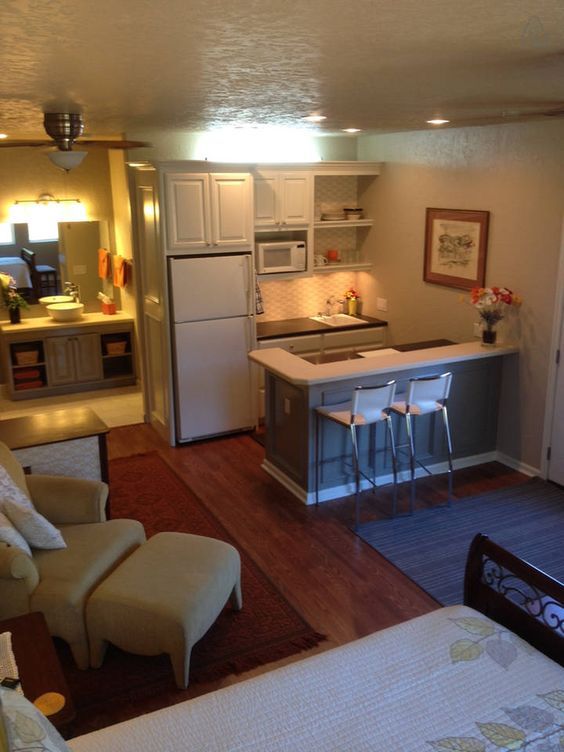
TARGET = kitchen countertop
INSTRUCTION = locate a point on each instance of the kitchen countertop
(289, 327)
(296, 370)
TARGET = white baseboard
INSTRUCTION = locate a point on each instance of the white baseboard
(347, 489)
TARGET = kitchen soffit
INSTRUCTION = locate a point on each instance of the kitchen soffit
(135, 66)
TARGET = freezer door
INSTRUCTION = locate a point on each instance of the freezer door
(213, 378)
(210, 287)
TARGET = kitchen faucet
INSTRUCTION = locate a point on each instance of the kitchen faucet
(330, 304)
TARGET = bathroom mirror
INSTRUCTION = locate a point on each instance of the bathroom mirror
(74, 254)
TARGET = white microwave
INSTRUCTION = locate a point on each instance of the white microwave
(280, 256)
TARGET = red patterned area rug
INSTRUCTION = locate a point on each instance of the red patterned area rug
(267, 629)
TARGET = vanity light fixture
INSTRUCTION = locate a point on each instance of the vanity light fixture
(437, 121)
(43, 213)
(315, 118)
(67, 160)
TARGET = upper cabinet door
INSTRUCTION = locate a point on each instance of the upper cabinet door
(187, 211)
(231, 211)
(282, 198)
(266, 200)
(295, 198)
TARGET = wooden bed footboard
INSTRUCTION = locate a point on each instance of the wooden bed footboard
(517, 595)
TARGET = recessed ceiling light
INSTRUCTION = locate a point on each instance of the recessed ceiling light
(315, 118)
(438, 121)
(351, 130)
(3, 135)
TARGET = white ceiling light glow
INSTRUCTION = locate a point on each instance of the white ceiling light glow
(351, 130)
(315, 118)
(3, 135)
(438, 121)
(257, 145)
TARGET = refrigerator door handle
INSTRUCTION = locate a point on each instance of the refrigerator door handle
(250, 286)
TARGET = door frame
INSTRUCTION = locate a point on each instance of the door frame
(553, 366)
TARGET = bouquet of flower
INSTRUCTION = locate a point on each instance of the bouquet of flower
(10, 295)
(352, 295)
(491, 302)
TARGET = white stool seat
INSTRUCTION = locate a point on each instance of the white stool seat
(342, 413)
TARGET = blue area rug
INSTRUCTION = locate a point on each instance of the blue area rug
(430, 547)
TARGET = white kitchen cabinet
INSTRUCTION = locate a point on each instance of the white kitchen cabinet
(283, 200)
(72, 359)
(208, 212)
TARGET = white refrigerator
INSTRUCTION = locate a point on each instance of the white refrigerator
(212, 313)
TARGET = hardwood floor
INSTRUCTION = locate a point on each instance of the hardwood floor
(340, 585)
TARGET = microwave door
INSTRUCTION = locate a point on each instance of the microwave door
(276, 258)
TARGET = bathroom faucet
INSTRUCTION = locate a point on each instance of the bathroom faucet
(72, 289)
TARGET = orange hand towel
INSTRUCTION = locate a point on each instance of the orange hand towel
(103, 263)
(120, 267)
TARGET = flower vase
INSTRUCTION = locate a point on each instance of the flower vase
(15, 315)
(351, 306)
(489, 335)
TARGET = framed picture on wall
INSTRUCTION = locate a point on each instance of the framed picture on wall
(455, 247)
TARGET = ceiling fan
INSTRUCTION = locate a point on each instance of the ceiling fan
(64, 128)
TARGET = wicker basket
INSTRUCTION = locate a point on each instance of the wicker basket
(27, 357)
(116, 348)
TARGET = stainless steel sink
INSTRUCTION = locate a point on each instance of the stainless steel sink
(338, 319)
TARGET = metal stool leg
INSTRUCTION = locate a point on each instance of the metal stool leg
(409, 429)
(317, 443)
(394, 464)
(356, 466)
(449, 452)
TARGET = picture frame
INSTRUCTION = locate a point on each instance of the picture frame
(456, 242)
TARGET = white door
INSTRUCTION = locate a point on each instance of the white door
(155, 362)
(295, 198)
(213, 377)
(266, 199)
(88, 357)
(213, 287)
(231, 210)
(556, 463)
(60, 360)
(187, 211)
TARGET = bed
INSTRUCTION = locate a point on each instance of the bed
(461, 678)
(18, 269)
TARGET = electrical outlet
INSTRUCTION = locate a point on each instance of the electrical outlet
(477, 330)
(381, 304)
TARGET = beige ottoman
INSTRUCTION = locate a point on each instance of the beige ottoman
(164, 598)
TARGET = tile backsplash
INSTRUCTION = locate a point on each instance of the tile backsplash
(305, 296)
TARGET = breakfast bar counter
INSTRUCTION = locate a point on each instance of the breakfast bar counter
(295, 387)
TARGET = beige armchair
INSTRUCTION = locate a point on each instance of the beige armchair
(58, 582)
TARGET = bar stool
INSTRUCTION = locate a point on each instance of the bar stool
(425, 395)
(368, 406)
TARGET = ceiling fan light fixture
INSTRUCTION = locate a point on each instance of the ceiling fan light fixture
(67, 160)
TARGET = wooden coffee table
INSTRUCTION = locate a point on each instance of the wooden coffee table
(38, 664)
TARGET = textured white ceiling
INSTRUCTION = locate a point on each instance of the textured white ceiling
(198, 64)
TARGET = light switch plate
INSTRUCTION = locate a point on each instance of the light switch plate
(381, 304)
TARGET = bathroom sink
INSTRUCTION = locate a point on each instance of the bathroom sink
(65, 311)
(50, 299)
(338, 319)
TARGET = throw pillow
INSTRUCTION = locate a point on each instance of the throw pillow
(26, 728)
(9, 535)
(10, 491)
(35, 528)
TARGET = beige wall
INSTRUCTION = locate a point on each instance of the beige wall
(515, 172)
(26, 172)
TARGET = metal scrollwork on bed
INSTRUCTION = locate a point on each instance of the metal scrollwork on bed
(516, 594)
